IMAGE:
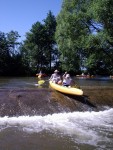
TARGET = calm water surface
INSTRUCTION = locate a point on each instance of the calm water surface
(30, 82)
(62, 131)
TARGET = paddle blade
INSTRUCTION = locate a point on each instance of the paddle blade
(41, 82)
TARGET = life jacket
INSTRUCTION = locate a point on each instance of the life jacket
(67, 81)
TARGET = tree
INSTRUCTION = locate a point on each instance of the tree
(12, 38)
(40, 46)
(71, 32)
(50, 28)
(98, 44)
(4, 54)
(84, 34)
(34, 46)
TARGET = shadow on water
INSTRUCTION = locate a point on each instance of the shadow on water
(74, 103)
(82, 99)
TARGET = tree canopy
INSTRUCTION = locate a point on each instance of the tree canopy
(79, 39)
(84, 35)
(39, 46)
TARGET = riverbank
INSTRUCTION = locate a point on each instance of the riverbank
(42, 101)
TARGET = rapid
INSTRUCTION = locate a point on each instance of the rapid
(76, 130)
(65, 130)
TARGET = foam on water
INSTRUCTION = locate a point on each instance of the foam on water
(83, 127)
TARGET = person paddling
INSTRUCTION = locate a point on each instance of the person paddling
(40, 74)
(67, 80)
(55, 77)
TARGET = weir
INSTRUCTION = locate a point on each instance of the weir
(43, 101)
(43, 118)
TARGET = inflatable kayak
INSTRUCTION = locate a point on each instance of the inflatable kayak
(66, 90)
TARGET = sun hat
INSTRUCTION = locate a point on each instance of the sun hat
(56, 71)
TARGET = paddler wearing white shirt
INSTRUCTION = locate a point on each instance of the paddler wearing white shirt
(67, 80)
(55, 77)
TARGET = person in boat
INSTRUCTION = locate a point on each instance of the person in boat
(67, 80)
(40, 74)
(55, 77)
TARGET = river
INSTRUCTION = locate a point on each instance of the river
(59, 131)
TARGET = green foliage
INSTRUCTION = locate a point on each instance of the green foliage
(12, 38)
(38, 51)
(71, 33)
(4, 54)
(10, 59)
(39, 46)
(84, 35)
(80, 37)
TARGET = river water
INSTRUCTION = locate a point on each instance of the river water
(60, 131)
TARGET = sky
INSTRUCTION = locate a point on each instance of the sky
(20, 15)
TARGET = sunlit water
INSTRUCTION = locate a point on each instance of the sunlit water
(62, 131)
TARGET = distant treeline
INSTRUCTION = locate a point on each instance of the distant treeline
(79, 39)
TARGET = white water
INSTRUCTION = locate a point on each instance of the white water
(82, 127)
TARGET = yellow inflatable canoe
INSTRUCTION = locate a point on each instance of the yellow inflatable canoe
(66, 90)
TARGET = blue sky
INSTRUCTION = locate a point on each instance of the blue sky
(19, 15)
